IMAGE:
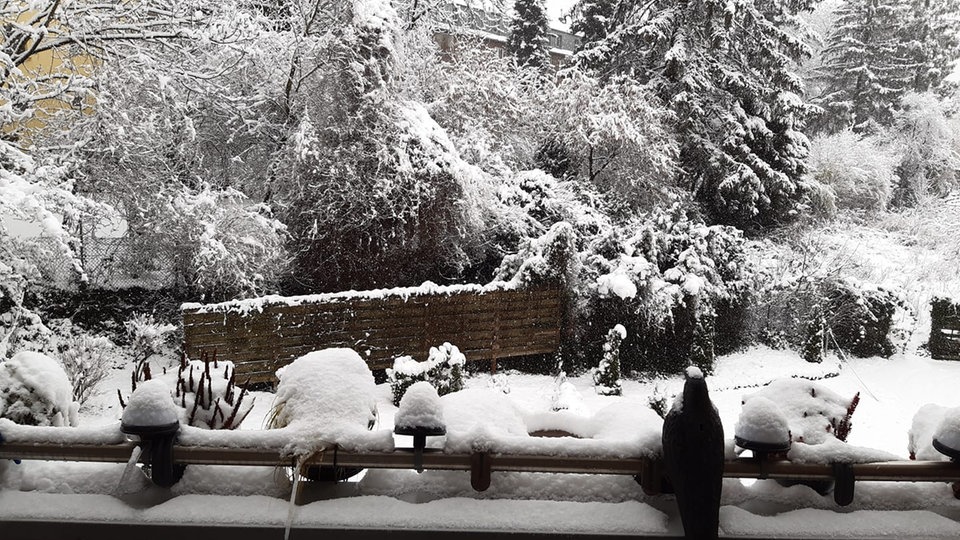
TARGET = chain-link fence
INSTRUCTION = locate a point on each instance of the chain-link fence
(108, 263)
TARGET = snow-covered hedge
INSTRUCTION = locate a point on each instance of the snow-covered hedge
(35, 391)
(443, 369)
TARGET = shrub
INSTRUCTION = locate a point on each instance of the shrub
(86, 360)
(35, 391)
(860, 171)
(606, 378)
(443, 369)
(930, 149)
(147, 338)
(666, 280)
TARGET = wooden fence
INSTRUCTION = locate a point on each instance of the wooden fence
(944, 329)
(262, 335)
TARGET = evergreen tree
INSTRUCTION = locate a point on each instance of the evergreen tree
(724, 69)
(932, 40)
(528, 40)
(867, 68)
(591, 20)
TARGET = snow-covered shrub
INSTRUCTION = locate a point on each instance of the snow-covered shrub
(814, 413)
(859, 170)
(854, 316)
(205, 392)
(443, 369)
(86, 360)
(930, 147)
(229, 247)
(326, 395)
(665, 278)
(147, 338)
(547, 259)
(35, 391)
(606, 378)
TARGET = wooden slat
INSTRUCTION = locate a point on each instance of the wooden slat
(494, 324)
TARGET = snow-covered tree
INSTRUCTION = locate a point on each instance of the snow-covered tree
(929, 142)
(724, 69)
(867, 67)
(591, 20)
(528, 41)
(931, 36)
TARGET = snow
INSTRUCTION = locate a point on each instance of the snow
(41, 376)
(816, 523)
(808, 406)
(948, 431)
(693, 372)
(922, 429)
(325, 397)
(150, 405)
(420, 407)
(618, 283)
(258, 304)
(761, 420)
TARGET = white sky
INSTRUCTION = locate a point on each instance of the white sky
(557, 8)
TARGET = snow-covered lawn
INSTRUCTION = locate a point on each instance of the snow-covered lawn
(891, 393)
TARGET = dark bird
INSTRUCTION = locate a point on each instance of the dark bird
(693, 456)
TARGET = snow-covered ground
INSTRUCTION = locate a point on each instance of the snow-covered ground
(891, 390)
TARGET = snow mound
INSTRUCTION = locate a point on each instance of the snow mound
(420, 407)
(762, 421)
(477, 417)
(325, 397)
(693, 372)
(150, 405)
(948, 430)
(35, 390)
(814, 412)
(925, 424)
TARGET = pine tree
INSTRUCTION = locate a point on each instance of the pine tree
(528, 40)
(931, 37)
(591, 20)
(606, 378)
(867, 67)
(724, 69)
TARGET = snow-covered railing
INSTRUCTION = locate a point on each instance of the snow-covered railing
(647, 470)
(485, 322)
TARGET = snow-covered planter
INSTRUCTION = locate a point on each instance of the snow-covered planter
(150, 405)
(946, 438)
(420, 408)
(324, 397)
(35, 391)
(606, 378)
(922, 430)
(443, 369)
(762, 426)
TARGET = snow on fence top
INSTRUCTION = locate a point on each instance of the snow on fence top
(486, 322)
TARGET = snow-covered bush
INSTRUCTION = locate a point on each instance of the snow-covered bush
(86, 360)
(665, 278)
(326, 395)
(147, 338)
(35, 391)
(606, 378)
(814, 413)
(205, 392)
(859, 170)
(849, 315)
(229, 247)
(930, 147)
(443, 369)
